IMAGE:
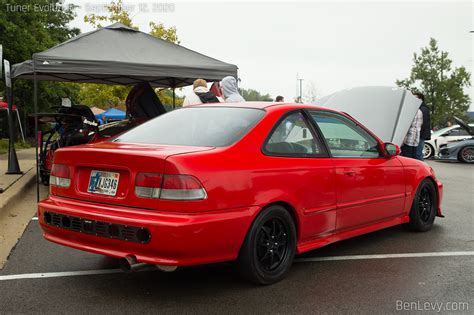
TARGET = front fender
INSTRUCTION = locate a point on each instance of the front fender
(415, 172)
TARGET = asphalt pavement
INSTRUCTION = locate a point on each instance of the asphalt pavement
(388, 271)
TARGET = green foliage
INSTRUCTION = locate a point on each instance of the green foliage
(160, 31)
(105, 95)
(166, 97)
(253, 95)
(18, 145)
(24, 32)
(117, 13)
(443, 86)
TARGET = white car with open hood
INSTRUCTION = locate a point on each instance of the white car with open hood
(387, 111)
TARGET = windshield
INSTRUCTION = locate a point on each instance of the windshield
(196, 126)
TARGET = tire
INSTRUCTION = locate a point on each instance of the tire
(262, 261)
(466, 154)
(428, 151)
(423, 209)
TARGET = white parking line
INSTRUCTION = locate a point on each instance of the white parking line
(300, 260)
(58, 274)
(385, 256)
(34, 219)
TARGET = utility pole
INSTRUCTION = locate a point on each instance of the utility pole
(300, 82)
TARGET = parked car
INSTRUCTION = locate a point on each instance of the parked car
(77, 124)
(462, 150)
(252, 182)
(444, 136)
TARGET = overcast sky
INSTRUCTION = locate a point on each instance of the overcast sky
(331, 45)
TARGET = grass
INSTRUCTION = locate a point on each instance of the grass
(18, 145)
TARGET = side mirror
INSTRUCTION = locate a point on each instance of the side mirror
(392, 149)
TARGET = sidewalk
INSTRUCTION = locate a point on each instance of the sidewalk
(17, 200)
(12, 186)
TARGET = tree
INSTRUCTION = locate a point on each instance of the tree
(443, 86)
(254, 95)
(105, 95)
(30, 29)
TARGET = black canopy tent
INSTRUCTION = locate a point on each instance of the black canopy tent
(118, 54)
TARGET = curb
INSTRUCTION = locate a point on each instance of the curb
(16, 191)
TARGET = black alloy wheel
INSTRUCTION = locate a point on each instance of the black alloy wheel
(269, 246)
(272, 244)
(424, 207)
(425, 204)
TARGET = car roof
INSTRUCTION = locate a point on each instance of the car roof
(262, 105)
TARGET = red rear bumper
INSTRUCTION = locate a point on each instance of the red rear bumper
(176, 239)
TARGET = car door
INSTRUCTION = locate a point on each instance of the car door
(302, 171)
(370, 187)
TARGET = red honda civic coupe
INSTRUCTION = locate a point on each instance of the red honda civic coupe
(252, 182)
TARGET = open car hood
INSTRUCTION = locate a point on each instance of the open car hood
(465, 126)
(386, 111)
(142, 102)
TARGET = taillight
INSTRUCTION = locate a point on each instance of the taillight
(60, 176)
(147, 185)
(182, 187)
(169, 187)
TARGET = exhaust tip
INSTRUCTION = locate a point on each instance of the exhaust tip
(126, 263)
(166, 268)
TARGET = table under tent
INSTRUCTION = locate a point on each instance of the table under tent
(117, 54)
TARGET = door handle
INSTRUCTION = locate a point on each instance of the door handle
(349, 172)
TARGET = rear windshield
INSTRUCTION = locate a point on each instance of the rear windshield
(196, 126)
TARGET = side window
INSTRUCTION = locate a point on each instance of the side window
(293, 137)
(344, 137)
(459, 132)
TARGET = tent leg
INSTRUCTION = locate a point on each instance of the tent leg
(35, 101)
(174, 98)
(18, 115)
(19, 123)
(13, 165)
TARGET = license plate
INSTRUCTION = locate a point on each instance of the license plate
(103, 183)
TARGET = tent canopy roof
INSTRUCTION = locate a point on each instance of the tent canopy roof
(117, 54)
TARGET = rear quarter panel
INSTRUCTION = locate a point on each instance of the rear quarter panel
(242, 176)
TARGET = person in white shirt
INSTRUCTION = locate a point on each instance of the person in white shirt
(200, 94)
(410, 143)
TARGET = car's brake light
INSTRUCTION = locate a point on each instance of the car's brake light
(147, 185)
(60, 176)
(170, 187)
(182, 187)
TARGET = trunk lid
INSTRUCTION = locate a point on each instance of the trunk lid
(119, 160)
